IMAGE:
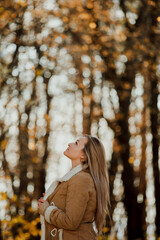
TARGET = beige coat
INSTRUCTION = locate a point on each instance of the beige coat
(75, 202)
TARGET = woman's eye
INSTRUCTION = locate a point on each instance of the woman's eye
(76, 142)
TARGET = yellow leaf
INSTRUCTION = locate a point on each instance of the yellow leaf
(38, 72)
(22, 3)
(35, 160)
(3, 144)
(65, 19)
(13, 15)
(27, 199)
(131, 160)
(3, 196)
(104, 53)
(34, 223)
(27, 235)
(89, 5)
(105, 229)
(63, 36)
(126, 86)
(14, 198)
(47, 117)
(100, 238)
(92, 25)
(2, 9)
(152, 3)
(84, 16)
(158, 19)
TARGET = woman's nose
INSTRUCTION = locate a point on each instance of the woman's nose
(69, 144)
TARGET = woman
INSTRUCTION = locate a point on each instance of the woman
(80, 198)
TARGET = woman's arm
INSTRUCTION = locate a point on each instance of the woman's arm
(76, 203)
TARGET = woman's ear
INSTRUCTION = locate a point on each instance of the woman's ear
(82, 155)
(83, 158)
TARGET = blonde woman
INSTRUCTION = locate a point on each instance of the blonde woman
(80, 198)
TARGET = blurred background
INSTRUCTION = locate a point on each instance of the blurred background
(74, 67)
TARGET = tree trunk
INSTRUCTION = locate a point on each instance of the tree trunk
(154, 39)
(155, 148)
(87, 108)
(130, 196)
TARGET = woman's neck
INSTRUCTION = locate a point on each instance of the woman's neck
(75, 163)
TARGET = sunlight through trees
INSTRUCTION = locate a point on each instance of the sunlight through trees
(69, 68)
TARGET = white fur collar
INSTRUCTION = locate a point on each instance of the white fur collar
(72, 172)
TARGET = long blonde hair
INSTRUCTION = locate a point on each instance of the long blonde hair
(95, 154)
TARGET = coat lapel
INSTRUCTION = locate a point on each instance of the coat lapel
(53, 190)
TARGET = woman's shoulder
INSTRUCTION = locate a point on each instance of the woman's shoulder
(84, 176)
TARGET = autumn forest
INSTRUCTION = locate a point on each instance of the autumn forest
(75, 67)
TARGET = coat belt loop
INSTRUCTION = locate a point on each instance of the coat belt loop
(60, 234)
(54, 233)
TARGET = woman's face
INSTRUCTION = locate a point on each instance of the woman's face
(75, 149)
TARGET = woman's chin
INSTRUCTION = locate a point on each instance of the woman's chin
(65, 153)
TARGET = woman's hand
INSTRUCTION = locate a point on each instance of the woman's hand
(43, 207)
(40, 202)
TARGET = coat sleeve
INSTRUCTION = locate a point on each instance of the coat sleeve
(76, 203)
